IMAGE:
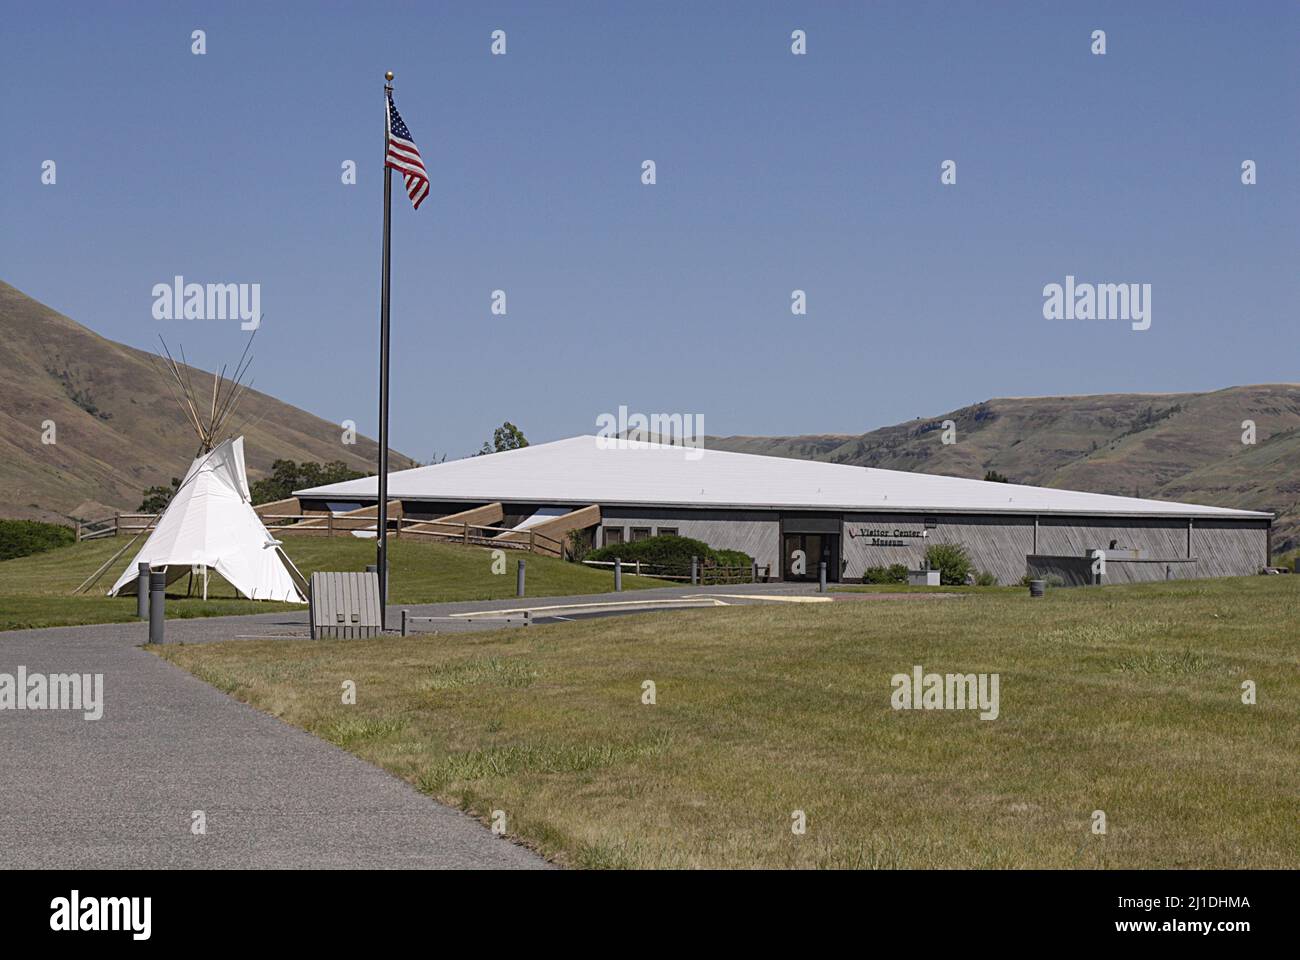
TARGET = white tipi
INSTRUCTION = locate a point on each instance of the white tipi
(210, 524)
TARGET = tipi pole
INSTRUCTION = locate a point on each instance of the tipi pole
(381, 527)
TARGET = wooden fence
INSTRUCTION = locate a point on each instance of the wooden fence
(328, 525)
(707, 574)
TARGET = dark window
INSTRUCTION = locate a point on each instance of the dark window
(667, 531)
(613, 536)
(640, 533)
(931, 523)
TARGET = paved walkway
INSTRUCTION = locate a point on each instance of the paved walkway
(120, 791)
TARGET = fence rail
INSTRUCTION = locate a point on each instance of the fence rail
(707, 574)
(330, 525)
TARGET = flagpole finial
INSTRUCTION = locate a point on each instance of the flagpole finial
(389, 76)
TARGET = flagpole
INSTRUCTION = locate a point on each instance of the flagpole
(381, 527)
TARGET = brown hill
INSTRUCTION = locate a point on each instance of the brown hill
(119, 430)
(1171, 446)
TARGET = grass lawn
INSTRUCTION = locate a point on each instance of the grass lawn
(35, 591)
(1124, 699)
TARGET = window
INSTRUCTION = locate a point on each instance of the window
(613, 536)
(667, 531)
(931, 523)
(640, 533)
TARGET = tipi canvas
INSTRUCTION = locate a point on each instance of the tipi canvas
(211, 522)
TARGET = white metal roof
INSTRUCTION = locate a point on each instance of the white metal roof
(587, 469)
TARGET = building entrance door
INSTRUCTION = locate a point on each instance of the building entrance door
(802, 553)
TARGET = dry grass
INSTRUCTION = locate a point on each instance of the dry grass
(1123, 699)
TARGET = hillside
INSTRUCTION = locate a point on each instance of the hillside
(1168, 446)
(119, 430)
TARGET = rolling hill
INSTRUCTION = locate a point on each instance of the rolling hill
(119, 429)
(1168, 446)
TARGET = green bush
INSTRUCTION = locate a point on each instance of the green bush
(20, 538)
(671, 551)
(985, 579)
(732, 558)
(894, 573)
(579, 545)
(951, 560)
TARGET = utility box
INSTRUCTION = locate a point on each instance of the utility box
(345, 606)
(923, 578)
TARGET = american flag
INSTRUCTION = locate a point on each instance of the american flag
(404, 157)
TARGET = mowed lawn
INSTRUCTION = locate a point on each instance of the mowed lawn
(1123, 699)
(36, 591)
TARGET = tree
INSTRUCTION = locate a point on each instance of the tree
(157, 498)
(505, 437)
(994, 477)
(288, 476)
(951, 560)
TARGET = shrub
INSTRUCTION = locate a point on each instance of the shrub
(951, 560)
(20, 538)
(731, 558)
(985, 579)
(894, 573)
(671, 551)
(579, 545)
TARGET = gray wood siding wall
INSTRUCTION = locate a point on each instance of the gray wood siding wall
(1229, 548)
(755, 532)
(1076, 536)
(997, 545)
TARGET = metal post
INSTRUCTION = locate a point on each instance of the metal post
(157, 604)
(753, 571)
(519, 580)
(695, 571)
(381, 526)
(142, 591)
(404, 614)
(618, 574)
(821, 577)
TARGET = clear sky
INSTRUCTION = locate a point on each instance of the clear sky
(775, 172)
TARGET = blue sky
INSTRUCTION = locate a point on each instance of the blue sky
(775, 172)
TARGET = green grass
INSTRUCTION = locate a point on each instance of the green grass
(1125, 699)
(35, 591)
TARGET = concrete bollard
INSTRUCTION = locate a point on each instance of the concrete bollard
(519, 580)
(618, 575)
(142, 591)
(157, 604)
(821, 577)
(753, 572)
(695, 571)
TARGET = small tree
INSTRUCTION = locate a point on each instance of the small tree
(951, 560)
(157, 498)
(580, 544)
(505, 437)
(995, 477)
